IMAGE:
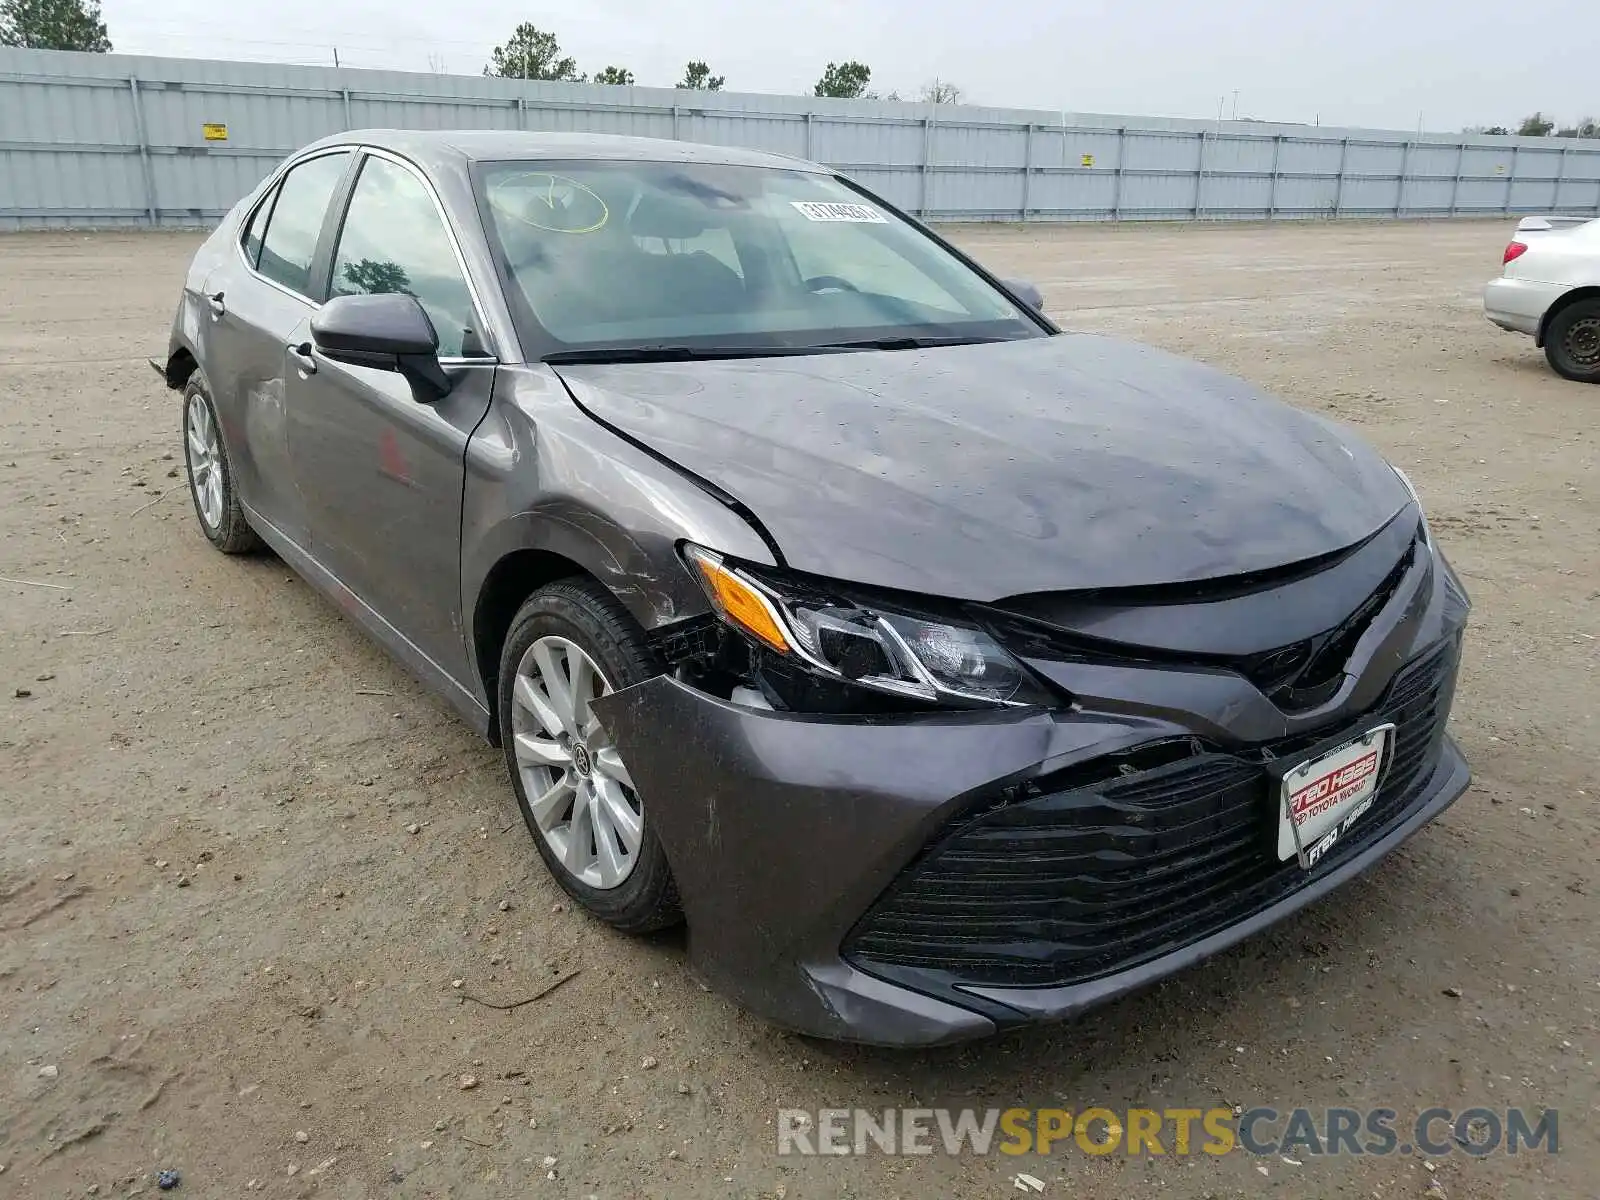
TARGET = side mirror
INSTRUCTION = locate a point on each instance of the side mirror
(388, 331)
(1026, 292)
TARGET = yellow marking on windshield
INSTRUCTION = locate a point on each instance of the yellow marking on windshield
(551, 202)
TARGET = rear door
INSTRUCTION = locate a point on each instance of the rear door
(381, 473)
(259, 301)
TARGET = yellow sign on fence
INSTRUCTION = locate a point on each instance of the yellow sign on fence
(214, 132)
(1087, 161)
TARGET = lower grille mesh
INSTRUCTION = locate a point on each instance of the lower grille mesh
(1074, 884)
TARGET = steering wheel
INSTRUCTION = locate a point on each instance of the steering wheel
(829, 283)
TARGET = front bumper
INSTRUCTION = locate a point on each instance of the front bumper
(791, 836)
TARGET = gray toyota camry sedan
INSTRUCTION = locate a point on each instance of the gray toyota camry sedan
(944, 671)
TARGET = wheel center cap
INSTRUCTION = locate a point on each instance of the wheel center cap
(582, 763)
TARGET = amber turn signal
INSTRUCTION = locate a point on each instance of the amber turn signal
(737, 601)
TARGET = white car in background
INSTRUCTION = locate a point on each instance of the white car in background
(1549, 288)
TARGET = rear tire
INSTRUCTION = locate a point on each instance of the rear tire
(1572, 342)
(210, 474)
(584, 811)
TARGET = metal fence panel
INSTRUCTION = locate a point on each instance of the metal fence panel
(94, 139)
(1528, 195)
(856, 143)
(1077, 193)
(1367, 159)
(970, 195)
(1427, 197)
(897, 187)
(1160, 196)
(1433, 160)
(1479, 197)
(1365, 196)
(1235, 196)
(1307, 195)
(1163, 151)
(1538, 163)
(1240, 153)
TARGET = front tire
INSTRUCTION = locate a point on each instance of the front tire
(211, 483)
(571, 643)
(1572, 342)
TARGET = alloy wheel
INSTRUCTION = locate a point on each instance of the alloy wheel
(578, 790)
(205, 461)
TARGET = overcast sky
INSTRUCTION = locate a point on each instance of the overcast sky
(1359, 62)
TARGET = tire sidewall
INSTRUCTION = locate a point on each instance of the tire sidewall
(1556, 336)
(565, 610)
(232, 533)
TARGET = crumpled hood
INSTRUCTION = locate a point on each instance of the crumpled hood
(985, 471)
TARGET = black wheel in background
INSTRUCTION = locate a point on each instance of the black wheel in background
(1572, 341)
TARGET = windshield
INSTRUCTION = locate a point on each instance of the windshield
(602, 254)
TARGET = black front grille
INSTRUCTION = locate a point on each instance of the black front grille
(1092, 877)
(1309, 673)
(1297, 676)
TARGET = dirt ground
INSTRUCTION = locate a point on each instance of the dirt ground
(222, 951)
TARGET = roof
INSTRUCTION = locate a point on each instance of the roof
(477, 145)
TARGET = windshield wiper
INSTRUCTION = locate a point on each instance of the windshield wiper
(909, 342)
(679, 353)
(633, 354)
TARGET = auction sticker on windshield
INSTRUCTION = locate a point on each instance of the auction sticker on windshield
(832, 210)
(1325, 796)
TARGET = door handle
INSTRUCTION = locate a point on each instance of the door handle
(217, 306)
(303, 359)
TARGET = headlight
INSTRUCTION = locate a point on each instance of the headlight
(1428, 535)
(870, 647)
(1406, 479)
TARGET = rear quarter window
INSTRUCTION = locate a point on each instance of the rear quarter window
(255, 223)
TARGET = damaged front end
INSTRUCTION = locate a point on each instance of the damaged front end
(901, 821)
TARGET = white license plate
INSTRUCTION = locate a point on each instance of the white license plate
(1325, 796)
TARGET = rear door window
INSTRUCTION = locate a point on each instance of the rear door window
(290, 243)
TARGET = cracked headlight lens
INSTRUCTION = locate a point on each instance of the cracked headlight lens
(871, 647)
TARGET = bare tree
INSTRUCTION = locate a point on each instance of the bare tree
(941, 92)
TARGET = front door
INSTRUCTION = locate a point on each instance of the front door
(380, 471)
